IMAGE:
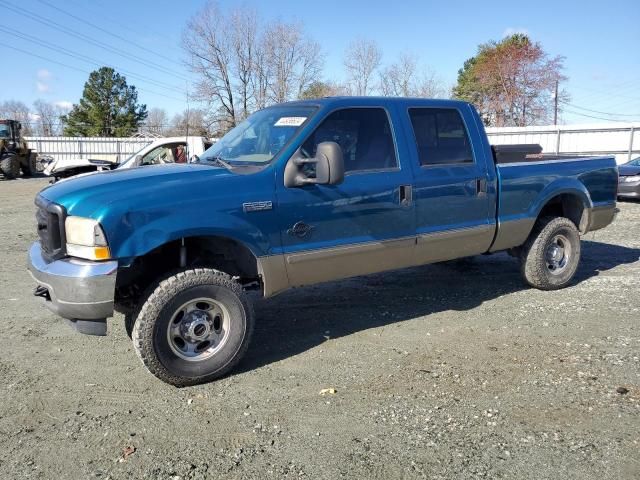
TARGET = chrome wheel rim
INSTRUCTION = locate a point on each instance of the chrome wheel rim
(558, 254)
(198, 329)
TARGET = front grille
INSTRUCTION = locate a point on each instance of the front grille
(50, 223)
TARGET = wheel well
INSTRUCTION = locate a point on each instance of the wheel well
(221, 253)
(567, 205)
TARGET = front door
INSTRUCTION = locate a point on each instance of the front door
(364, 225)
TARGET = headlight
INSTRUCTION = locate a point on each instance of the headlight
(634, 178)
(86, 239)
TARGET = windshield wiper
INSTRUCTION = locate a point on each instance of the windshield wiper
(220, 161)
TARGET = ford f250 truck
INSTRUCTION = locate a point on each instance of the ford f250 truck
(297, 194)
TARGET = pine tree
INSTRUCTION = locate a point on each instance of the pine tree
(108, 107)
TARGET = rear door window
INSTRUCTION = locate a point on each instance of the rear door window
(441, 136)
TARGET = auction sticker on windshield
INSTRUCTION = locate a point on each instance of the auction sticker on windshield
(290, 122)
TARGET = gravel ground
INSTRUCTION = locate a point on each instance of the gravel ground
(444, 371)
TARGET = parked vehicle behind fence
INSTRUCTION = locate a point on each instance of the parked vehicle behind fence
(302, 193)
(629, 179)
(162, 151)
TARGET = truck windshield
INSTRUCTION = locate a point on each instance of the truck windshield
(5, 132)
(258, 139)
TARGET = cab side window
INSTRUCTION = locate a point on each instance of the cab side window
(441, 137)
(364, 134)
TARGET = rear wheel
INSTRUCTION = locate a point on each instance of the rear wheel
(193, 327)
(10, 166)
(551, 255)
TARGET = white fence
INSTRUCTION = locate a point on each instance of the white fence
(102, 148)
(621, 140)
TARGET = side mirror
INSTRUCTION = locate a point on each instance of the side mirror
(329, 167)
(194, 159)
(138, 160)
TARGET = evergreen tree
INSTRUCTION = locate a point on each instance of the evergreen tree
(108, 107)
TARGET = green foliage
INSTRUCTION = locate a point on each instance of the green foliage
(511, 82)
(318, 89)
(108, 107)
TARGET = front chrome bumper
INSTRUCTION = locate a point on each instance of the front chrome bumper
(75, 289)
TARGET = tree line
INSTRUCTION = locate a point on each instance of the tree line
(240, 64)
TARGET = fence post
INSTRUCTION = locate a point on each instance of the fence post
(558, 141)
(631, 142)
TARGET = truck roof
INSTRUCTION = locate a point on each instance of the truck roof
(345, 101)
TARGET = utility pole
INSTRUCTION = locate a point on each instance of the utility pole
(555, 105)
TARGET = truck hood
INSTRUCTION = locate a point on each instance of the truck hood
(626, 170)
(90, 195)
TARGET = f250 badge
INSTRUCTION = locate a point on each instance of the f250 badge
(300, 230)
(257, 206)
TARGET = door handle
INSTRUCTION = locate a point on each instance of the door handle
(406, 195)
(481, 186)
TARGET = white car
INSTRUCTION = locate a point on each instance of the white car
(163, 150)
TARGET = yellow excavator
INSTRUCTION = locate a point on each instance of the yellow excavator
(15, 154)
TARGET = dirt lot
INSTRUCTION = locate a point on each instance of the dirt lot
(445, 371)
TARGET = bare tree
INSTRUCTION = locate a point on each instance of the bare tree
(244, 24)
(190, 122)
(47, 118)
(15, 110)
(292, 61)
(207, 40)
(361, 60)
(157, 121)
(405, 78)
(241, 65)
(430, 85)
(399, 79)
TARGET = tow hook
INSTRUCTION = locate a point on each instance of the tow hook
(41, 291)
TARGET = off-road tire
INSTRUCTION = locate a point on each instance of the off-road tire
(533, 254)
(10, 166)
(156, 309)
(29, 169)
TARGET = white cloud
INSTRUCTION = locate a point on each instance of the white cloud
(64, 104)
(43, 74)
(43, 79)
(513, 30)
(42, 87)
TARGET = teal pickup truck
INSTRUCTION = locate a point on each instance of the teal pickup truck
(297, 194)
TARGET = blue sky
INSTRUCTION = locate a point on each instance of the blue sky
(600, 40)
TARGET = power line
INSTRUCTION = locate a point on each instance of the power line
(79, 69)
(598, 111)
(573, 112)
(79, 56)
(73, 33)
(97, 27)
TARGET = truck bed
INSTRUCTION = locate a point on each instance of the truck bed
(525, 187)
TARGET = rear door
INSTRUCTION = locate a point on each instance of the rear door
(364, 225)
(452, 189)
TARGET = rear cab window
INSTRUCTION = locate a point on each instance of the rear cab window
(441, 136)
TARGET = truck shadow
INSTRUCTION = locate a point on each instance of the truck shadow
(301, 319)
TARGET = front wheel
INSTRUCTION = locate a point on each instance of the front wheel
(193, 327)
(10, 166)
(550, 257)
